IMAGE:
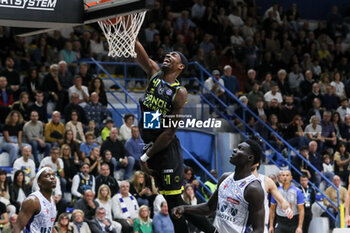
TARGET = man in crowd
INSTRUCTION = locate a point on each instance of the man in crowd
(116, 147)
(82, 181)
(95, 111)
(101, 224)
(161, 221)
(26, 165)
(309, 199)
(134, 146)
(54, 130)
(105, 178)
(39, 106)
(87, 204)
(80, 89)
(125, 207)
(74, 106)
(33, 134)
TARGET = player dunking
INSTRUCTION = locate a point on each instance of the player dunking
(239, 200)
(163, 157)
(38, 212)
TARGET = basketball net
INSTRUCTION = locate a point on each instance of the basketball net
(121, 33)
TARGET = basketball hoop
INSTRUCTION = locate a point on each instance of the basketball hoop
(121, 33)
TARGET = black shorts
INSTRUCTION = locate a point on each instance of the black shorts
(169, 170)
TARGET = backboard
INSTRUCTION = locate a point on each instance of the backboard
(36, 16)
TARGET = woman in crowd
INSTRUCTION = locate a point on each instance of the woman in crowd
(23, 106)
(112, 162)
(96, 85)
(70, 165)
(104, 200)
(341, 162)
(77, 127)
(143, 188)
(125, 129)
(324, 83)
(12, 131)
(337, 124)
(94, 160)
(4, 185)
(62, 225)
(188, 195)
(78, 223)
(339, 85)
(18, 190)
(190, 179)
(31, 83)
(74, 145)
(143, 223)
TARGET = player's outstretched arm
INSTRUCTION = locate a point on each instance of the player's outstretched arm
(164, 139)
(272, 188)
(30, 207)
(146, 63)
(201, 209)
(254, 194)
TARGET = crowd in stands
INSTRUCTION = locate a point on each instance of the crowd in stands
(295, 77)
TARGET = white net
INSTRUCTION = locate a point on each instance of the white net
(121, 33)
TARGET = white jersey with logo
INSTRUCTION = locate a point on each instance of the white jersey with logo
(44, 220)
(261, 178)
(232, 213)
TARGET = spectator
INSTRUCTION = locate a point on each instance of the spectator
(74, 106)
(301, 165)
(267, 83)
(108, 159)
(295, 133)
(134, 146)
(198, 10)
(4, 187)
(104, 178)
(101, 223)
(80, 89)
(67, 54)
(12, 76)
(107, 129)
(315, 110)
(338, 85)
(53, 88)
(6, 96)
(184, 19)
(26, 165)
(323, 83)
(84, 68)
(309, 199)
(345, 131)
(88, 145)
(74, 145)
(161, 221)
(273, 94)
(282, 82)
(143, 189)
(78, 223)
(341, 162)
(330, 100)
(288, 111)
(213, 89)
(39, 106)
(82, 181)
(18, 190)
(94, 160)
(62, 225)
(9, 227)
(33, 134)
(64, 75)
(150, 32)
(118, 152)
(306, 85)
(125, 207)
(313, 131)
(255, 94)
(54, 130)
(189, 178)
(315, 93)
(85, 45)
(230, 81)
(87, 204)
(95, 111)
(211, 185)
(295, 77)
(328, 168)
(70, 165)
(76, 126)
(43, 54)
(332, 194)
(343, 109)
(143, 223)
(189, 196)
(125, 129)
(249, 83)
(23, 106)
(12, 131)
(328, 134)
(259, 108)
(91, 128)
(96, 85)
(104, 199)
(316, 160)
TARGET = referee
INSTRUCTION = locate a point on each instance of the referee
(296, 201)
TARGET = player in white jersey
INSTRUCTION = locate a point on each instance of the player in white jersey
(239, 199)
(270, 187)
(38, 212)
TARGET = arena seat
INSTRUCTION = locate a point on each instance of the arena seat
(4, 159)
(319, 225)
